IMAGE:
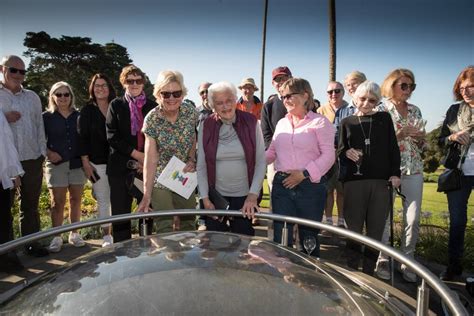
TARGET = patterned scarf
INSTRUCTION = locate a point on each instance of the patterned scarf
(135, 105)
(465, 120)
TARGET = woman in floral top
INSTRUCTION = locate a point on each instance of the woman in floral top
(170, 130)
(409, 127)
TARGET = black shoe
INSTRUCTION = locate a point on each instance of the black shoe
(450, 274)
(36, 250)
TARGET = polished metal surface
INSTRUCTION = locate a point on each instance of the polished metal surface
(199, 273)
(439, 287)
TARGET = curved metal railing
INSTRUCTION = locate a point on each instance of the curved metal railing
(427, 277)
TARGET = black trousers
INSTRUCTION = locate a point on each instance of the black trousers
(121, 203)
(238, 225)
(6, 220)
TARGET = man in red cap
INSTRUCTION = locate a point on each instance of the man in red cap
(273, 110)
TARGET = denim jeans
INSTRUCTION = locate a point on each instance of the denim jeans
(306, 201)
(457, 204)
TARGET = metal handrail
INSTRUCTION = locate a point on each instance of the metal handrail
(427, 277)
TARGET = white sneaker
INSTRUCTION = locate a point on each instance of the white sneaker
(408, 275)
(108, 241)
(56, 244)
(382, 269)
(76, 240)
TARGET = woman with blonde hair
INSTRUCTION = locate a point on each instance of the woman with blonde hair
(63, 165)
(408, 122)
(170, 130)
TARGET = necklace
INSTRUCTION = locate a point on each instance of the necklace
(366, 138)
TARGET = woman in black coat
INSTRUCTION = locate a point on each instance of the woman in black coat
(123, 124)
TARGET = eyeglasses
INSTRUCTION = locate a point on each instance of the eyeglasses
(168, 94)
(288, 96)
(280, 79)
(14, 70)
(202, 92)
(469, 89)
(60, 95)
(405, 86)
(136, 81)
(336, 91)
(103, 86)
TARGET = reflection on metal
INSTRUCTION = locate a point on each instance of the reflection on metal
(422, 299)
(446, 295)
(284, 235)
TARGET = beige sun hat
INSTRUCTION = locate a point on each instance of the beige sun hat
(249, 81)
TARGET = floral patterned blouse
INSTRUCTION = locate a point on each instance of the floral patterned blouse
(410, 151)
(172, 139)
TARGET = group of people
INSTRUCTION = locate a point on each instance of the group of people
(352, 153)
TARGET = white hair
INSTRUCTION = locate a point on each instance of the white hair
(368, 87)
(220, 87)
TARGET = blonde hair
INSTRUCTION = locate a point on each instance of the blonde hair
(357, 75)
(166, 77)
(391, 79)
(52, 106)
(300, 85)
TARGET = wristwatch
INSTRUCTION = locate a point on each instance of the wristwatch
(306, 174)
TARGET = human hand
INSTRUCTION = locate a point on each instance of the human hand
(353, 154)
(208, 205)
(144, 206)
(12, 116)
(53, 156)
(16, 182)
(295, 177)
(462, 137)
(189, 167)
(395, 181)
(88, 170)
(250, 206)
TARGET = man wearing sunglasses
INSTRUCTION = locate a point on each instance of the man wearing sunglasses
(204, 109)
(22, 108)
(335, 93)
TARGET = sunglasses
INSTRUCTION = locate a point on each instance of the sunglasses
(175, 94)
(336, 91)
(14, 70)
(202, 92)
(132, 81)
(60, 95)
(288, 96)
(405, 86)
(280, 79)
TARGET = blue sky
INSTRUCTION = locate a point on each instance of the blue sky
(214, 40)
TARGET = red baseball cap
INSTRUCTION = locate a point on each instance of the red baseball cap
(282, 70)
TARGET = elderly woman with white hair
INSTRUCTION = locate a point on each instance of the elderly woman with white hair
(368, 150)
(63, 170)
(170, 130)
(231, 159)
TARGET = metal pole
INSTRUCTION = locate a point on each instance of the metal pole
(284, 235)
(264, 41)
(422, 299)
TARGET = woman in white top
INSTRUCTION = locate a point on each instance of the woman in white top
(10, 172)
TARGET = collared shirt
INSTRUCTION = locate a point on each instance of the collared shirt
(308, 145)
(62, 136)
(10, 166)
(344, 111)
(28, 131)
(255, 110)
(410, 152)
(328, 111)
(172, 139)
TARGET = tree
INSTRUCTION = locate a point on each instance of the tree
(332, 39)
(434, 153)
(71, 59)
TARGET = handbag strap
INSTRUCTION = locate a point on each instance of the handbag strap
(464, 151)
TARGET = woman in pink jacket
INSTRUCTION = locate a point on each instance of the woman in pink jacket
(303, 151)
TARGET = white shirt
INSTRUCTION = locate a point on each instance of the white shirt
(468, 165)
(10, 166)
(28, 132)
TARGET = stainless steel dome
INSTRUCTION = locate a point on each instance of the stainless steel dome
(199, 273)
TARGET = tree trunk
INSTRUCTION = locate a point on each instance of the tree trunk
(332, 39)
(264, 40)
